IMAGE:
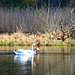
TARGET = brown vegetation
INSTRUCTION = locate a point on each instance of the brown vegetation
(31, 20)
(27, 26)
(22, 39)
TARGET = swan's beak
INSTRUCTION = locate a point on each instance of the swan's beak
(38, 49)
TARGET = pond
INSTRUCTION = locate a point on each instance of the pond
(52, 61)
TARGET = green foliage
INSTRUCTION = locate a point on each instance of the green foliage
(52, 43)
(66, 1)
(25, 3)
(22, 44)
(12, 43)
(72, 43)
(4, 43)
(33, 31)
(16, 3)
(0, 43)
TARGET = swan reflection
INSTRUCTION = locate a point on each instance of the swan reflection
(26, 64)
(22, 59)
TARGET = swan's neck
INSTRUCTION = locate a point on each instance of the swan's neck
(32, 47)
(32, 51)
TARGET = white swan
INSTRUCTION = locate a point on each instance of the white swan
(27, 52)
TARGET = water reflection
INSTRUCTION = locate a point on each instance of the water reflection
(21, 59)
(41, 64)
(26, 63)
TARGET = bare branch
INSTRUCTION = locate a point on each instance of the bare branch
(59, 26)
(72, 21)
(70, 28)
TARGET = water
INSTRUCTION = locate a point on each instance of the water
(51, 61)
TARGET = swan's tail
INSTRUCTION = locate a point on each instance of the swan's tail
(15, 52)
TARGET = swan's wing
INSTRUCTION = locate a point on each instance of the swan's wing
(30, 52)
(24, 51)
(21, 51)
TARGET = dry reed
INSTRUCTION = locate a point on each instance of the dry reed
(33, 20)
(22, 39)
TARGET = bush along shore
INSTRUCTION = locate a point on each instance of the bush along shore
(43, 26)
(22, 39)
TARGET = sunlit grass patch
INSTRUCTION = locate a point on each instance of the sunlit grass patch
(4, 43)
(12, 43)
(72, 43)
(21, 39)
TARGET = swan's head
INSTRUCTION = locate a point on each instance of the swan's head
(33, 44)
(38, 50)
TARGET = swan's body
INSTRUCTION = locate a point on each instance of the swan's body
(26, 52)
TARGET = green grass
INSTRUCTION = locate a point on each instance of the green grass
(12, 43)
(51, 43)
(24, 40)
(72, 43)
(4, 43)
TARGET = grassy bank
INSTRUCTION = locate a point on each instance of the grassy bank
(21, 39)
(45, 20)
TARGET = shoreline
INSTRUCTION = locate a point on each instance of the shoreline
(22, 39)
(43, 49)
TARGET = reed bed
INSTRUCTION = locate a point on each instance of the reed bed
(15, 22)
(22, 39)
(31, 20)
